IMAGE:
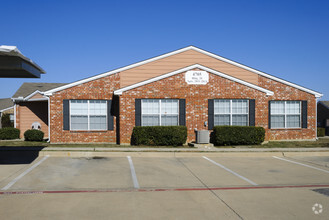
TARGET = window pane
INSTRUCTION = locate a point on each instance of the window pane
(222, 120)
(222, 106)
(97, 107)
(169, 106)
(79, 107)
(277, 121)
(97, 122)
(150, 106)
(241, 120)
(239, 106)
(277, 107)
(79, 122)
(150, 120)
(293, 121)
(293, 107)
(167, 120)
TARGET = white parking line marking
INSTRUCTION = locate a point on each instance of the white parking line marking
(24, 173)
(133, 173)
(231, 171)
(327, 171)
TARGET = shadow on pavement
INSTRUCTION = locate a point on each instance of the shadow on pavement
(18, 155)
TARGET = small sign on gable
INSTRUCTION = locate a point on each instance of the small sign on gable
(196, 77)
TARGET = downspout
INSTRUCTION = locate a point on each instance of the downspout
(48, 119)
(316, 118)
(15, 115)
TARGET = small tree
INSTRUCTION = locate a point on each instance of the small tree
(5, 121)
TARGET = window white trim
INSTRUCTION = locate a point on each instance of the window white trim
(88, 116)
(285, 114)
(160, 111)
(231, 111)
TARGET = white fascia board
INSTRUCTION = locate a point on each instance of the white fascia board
(32, 94)
(27, 98)
(19, 99)
(50, 92)
(40, 99)
(317, 94)
(2, 110)
(120, 91)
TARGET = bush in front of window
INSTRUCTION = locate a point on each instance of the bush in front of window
(321, 132)
(238, 135)
(159, 135)
(9, 133)
(33, 135)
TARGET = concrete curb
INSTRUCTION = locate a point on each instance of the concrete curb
(171, 152)
(207, 149)
(177, 154)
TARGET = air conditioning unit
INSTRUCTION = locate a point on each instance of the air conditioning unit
(202, 137)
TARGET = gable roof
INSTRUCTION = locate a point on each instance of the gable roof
(120, 91)
(27, 89)
(6, 104)
(317, 94)
(325, 104)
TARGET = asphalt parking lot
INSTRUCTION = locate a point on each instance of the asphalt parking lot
(155, 187)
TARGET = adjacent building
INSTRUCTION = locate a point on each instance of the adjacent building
(31, 106)
(7, 107)
(323, 115)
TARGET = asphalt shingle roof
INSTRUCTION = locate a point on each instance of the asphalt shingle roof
(325, 103)
(28, 88)
(6, 103)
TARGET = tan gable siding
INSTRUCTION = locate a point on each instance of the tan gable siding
(37, 96)
(30, 112)
(178, 61)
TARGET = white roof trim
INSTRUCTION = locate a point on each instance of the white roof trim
(120, 91)
(49, 92)
(32, 94)
(5, 109)
(28, 98)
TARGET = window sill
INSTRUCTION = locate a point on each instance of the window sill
(87, 131)
(285, 128)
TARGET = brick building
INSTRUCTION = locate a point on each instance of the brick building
(190, 87)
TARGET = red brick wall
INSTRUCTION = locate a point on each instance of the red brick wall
(284, 92)
(97, 89)
(218, 88)
(175, 87)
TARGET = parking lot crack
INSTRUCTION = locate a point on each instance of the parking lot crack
(205, 185)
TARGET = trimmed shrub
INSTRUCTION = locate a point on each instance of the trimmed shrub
(159, 135)
(33, 135)
(9, 133)
(238, 135)
(321, 132)
(5, 121)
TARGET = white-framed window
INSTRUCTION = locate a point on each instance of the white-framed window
(88, 115)
(159, 112)
(285, 114)
(231, 112)
(11, 117)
